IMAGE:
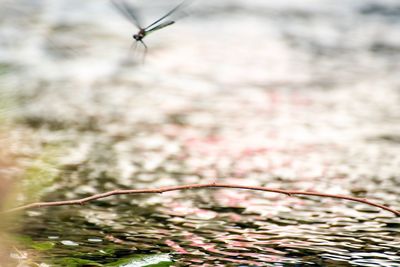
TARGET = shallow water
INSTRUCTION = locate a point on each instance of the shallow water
(288, 95)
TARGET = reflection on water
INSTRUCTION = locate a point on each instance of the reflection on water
(288, 95)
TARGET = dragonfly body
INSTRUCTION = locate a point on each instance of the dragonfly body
(143, 32)
(140, 35)
(130, 13)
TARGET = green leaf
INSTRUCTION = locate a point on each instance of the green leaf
(76, 262)
(157, 260)
(42, 246)
(38, 245)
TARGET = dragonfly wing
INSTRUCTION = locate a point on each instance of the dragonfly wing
(127, 11)
(166, 15)
(160, 26)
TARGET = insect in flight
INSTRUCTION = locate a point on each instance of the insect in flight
(130, 13)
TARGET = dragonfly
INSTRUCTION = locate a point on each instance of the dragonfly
(130, 13)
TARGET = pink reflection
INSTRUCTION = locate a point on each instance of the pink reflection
(175, 247)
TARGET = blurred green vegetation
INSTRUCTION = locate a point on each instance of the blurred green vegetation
(41, 174)
(27, 242)
(5, 68)
(156, 260)
(24, 178)
(6, 104)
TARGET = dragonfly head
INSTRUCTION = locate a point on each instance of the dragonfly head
(139, 36)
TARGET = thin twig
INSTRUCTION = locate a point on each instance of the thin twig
(198, 186)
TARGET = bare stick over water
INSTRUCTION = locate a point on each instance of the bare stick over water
(160, 190)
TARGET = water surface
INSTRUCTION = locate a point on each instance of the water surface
(287, 95)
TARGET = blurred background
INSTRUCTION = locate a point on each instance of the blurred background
(290, 94)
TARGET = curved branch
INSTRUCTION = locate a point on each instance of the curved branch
(198, 186)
